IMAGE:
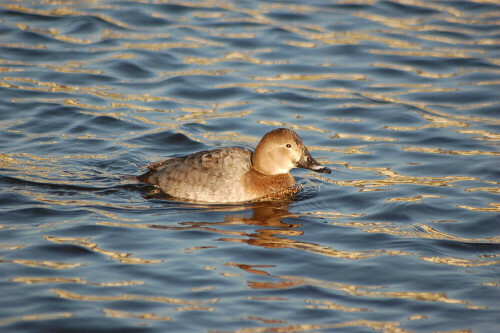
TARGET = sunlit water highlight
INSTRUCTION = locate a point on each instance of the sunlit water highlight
(400, 98)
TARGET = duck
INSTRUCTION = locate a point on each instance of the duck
(233, 174)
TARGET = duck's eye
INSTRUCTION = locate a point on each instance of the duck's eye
(288, 145)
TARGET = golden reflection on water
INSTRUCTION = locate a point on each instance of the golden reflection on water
(29, 47)
(389, 327)
(362, 137)
(229, 136)
(452, 53)
(115, 34)
(329, 305)
(98, 91)
(134, 315)
(53, 33)
(197, 71)
(392, 178)
(416, 198)
(131, 297)
(273, 238)
(272, 86)
(123, 257)
(408, 68)
(43, 263)
(451, 152)
(37, 317)
(266, 320)
(435, 122)
(43, 170)
(432, 111)
(201, 116)
(65, 11)
(292, 126)
(346, 120)
(484, 135)
(77, 280)
(460, 262)
(8, 246)
(310, 77)
(308, 45)
(495, 207)
(147, 46)
(415, 230)
(288, 282)
(233, 56)
(485, 189)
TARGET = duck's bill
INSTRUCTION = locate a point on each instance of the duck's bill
(308, 162)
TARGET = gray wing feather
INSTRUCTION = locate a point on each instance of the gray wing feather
(206, 171)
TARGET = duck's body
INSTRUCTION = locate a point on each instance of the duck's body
(231, 175)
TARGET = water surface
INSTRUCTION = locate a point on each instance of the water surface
(400, 98)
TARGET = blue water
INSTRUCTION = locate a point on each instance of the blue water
(400, 98)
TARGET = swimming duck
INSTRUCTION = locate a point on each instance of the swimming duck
(235, 175)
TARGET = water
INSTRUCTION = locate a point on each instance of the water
(399, 98)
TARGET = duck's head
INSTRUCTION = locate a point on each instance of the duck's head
(281, 150)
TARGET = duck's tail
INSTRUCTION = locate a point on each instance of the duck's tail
(129, 178)
(145, 177)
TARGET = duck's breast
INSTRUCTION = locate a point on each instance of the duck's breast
(261, 186)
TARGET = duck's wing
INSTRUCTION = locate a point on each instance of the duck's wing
(159, 164)
(220, 162)
(223, 160)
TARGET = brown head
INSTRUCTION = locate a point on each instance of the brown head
(281, 150)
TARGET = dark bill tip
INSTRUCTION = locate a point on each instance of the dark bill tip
(322, 169)
(307, 162)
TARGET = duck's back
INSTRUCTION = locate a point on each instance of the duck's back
(209, 176)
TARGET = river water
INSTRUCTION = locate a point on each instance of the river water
(400, 98)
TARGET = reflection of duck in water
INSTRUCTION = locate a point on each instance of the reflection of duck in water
(270, 226)
(230, 175)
